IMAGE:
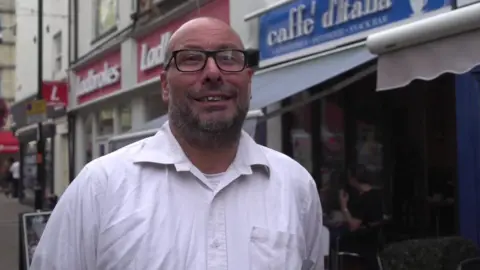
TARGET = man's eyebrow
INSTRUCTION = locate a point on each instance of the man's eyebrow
(223, 46)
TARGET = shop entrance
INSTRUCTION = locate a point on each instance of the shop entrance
(423, 139)
(405, 139)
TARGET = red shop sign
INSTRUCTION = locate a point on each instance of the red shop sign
(151, 49)
(55, 92)
(99, 79)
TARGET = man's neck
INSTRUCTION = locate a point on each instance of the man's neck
(206, 159)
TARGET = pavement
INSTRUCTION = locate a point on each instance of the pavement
(9, 228)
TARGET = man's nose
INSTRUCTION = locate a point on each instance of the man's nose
(212, 72)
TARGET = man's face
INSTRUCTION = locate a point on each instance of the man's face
(209, 99)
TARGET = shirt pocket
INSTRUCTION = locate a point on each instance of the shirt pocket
(274, 250)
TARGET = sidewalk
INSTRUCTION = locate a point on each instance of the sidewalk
(9, 227)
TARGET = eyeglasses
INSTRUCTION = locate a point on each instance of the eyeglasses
(196, 60)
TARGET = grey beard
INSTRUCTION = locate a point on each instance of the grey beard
(206, 134)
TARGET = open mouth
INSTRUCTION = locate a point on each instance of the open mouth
(212, 99)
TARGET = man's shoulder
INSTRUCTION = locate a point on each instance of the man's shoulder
(117, 161)
(286, 166)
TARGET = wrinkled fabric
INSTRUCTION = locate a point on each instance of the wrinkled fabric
(146, 206)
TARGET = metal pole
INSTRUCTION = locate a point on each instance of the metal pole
(40, 184)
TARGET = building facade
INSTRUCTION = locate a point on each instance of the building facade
(329, 111)
(7, 50)
(8, 143)
(54, 68)
(114, 82)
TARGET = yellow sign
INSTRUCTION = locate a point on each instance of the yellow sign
(36, 107)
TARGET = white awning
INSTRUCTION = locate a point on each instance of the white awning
(428, 48)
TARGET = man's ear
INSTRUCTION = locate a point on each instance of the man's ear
(165, 86)
(250, 73)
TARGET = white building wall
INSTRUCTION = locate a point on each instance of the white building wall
(55, 22)
(55, 19)
(87, 21)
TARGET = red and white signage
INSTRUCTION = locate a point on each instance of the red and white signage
(152, 48)
(55, 92)
(99, 79)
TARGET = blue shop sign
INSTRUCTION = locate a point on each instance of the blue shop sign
(303, 27)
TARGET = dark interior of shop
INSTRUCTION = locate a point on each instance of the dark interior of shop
(405, 138)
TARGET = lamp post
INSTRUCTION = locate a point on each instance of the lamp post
(40, 184)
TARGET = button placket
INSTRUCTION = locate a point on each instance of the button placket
(217, 246)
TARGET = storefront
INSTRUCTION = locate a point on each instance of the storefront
(55, 94)
(316, 69)
(425, 50)
(27, 137)
(112, 97)
(100, 112)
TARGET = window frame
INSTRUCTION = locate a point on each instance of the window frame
(57, 51)
(101, 33)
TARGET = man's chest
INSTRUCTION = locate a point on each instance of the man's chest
(192, 228)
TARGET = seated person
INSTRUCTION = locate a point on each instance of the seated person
(362, 208)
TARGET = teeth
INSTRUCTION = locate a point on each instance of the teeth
(213, 98)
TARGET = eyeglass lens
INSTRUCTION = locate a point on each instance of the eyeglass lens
(227, 60)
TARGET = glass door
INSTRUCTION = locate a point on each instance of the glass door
(102, 148)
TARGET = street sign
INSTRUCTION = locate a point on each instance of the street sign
(36, 111)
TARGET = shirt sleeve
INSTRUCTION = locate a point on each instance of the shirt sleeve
(69, 240)
(313, 225)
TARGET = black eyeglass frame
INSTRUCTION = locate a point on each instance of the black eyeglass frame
(208, 54)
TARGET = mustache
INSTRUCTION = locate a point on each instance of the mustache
(213, 89)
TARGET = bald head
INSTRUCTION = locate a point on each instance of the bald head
(188, 34)
(210, 62)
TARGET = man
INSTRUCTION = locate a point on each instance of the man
(200, 194)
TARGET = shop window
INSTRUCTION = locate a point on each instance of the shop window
(29, 166)
(49, 166)
(125, 117)
(106, 15)
(105, 122)
(154, 106)
(88, 139)
(301, 132)
(57, 52)
(367, 130)
(332, 149)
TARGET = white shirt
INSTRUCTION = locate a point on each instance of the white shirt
(15, 170)
(146, 206)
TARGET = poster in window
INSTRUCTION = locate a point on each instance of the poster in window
(107, 15)
(302, 148)
(33, 225)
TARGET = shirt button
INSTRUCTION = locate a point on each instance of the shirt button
(215, 244)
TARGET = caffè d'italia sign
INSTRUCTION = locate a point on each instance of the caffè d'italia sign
(303, 27)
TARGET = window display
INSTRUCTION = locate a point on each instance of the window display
(125, 117)
(105, 122)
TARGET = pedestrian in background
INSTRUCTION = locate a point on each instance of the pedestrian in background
(15, 176)
(200, 194)
(8, 176)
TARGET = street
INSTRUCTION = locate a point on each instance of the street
(9, 209)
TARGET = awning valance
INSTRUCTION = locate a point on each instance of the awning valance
(426, 49)
(278, 83)
(8, 143)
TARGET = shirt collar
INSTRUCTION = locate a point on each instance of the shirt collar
(163, 148)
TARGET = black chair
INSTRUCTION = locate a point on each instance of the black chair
(374, 234)
(470, 264)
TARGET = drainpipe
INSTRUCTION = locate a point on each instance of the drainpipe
(73, 51)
